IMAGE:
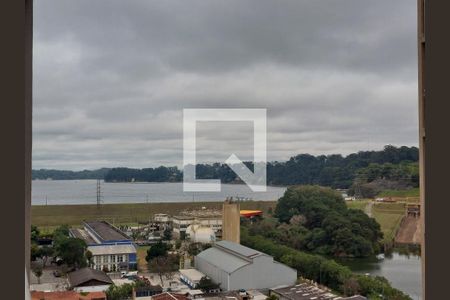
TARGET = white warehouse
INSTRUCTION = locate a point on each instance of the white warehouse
(235, 267)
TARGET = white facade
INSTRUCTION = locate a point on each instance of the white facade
(161, 218)
(198, 234)
(191, 277)
(111, 256)
(181, 223)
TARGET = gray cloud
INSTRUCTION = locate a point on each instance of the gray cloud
(111, 77)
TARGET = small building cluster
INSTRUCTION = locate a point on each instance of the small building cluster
(222, 270)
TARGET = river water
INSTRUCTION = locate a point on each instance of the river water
(56, 192)
(401, 269)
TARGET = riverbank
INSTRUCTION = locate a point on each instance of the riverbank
(49, 216)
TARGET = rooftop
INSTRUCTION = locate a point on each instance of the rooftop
(229, 256)
(106, 231)
(237, 249)
(112, 249)
(82, 234)
(192, 274)
(67, 295)
(84, 275)
(169, 296)
(307, 291)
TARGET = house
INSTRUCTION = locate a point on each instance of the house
(88, 280)
(236, 267)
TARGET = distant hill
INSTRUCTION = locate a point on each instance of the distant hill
(66, 175)
(365, 173)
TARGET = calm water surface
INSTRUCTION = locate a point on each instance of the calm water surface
(402, 270)
(54, 192)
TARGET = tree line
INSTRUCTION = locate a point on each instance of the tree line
(395, 167)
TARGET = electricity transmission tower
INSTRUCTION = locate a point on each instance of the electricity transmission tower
(99, 193)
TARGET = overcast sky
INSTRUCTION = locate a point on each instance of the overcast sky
(111, 78)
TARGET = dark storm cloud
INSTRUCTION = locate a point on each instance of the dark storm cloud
(112, 77)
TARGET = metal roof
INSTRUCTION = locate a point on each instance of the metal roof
(112, 249)
(223, 260)
(238, 249)
(82, 234)
(106, 231)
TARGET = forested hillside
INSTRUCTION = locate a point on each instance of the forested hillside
(44, 174)
(365, 173)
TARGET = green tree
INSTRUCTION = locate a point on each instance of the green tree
(72, 251)
(45, 252)
(206, 284)
(316, 219)
(121, 292)
(61, 233)
(163, 265)
(35, 252)
(167, 234)
(157, 250)
(37, 271)
(35, 233)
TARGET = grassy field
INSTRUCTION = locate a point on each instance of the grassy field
(141, 254)
(51, 216)
(360, 204)
(388, 215)
(401, 193)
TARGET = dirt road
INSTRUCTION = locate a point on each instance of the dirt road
(409, 232)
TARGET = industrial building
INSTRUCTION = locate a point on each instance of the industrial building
(235, 267)
(203, 218)
(111, 249)
(197, 233)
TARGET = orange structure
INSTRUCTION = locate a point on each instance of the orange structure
(250, 213)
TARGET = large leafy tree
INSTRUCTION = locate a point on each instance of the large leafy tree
(157, 250)
(316, 219)
(72, 252)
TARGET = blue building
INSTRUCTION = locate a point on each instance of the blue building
(112, 250)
